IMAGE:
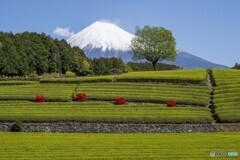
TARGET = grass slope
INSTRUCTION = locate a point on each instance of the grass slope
(227, 94)
(70, 146)
(101, 112)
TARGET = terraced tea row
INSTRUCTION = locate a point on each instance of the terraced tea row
(173, 76)
(136, 92)
(68, 146)
(143, 92)
(227, 95)
(52, 92)
(101, 112)
(17, 82)
(179, 76)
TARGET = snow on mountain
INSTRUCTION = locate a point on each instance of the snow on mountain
(104, 39)
(102, 35)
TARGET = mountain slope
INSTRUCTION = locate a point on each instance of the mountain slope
(104, 39)
(190, 61)
(103, 36)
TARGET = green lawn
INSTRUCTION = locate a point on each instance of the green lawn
(173, 76)
(101, 112)
(52, 92)
(145, 92)
(190, 146)
(227, 94)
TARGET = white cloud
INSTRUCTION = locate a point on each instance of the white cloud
(115, 21)
(64, 32)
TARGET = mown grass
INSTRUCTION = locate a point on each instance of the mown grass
(52, 92)
(227, 94)
(101, 112)
(69, 146)
(145, 92)
(174, 76)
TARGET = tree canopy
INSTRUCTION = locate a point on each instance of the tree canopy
(236, 66)
(105, 66)
(153, 44)
(26, 53)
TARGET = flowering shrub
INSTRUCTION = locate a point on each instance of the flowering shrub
(120, 101)
(81, 97)
(39, 98)
(171, 104)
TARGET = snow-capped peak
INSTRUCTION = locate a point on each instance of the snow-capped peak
(102, 35)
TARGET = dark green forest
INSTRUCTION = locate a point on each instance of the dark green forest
(106, 66)
(23, 54)
(31, 54)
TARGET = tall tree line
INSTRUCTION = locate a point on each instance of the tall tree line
(25, 53)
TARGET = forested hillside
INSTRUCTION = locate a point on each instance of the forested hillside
(28, 53)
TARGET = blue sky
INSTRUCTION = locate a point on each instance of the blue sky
(209, 29)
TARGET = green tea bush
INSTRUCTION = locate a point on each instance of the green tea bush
(69, 74)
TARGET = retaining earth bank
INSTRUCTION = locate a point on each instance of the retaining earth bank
(122, 128)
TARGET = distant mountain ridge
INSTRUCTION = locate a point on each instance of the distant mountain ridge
(104, 39)
(190, 61)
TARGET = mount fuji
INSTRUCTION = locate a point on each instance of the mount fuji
(104, 39)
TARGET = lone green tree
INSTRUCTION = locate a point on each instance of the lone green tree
(153, 44)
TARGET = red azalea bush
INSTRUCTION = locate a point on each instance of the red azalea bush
(39, 98)
(80, 97)
(171, 104)
(120, 101)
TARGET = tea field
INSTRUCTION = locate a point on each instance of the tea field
(101, 112)
(173, 76)
(69, 146)
(52, 92)
(227, 95)
(144, 92)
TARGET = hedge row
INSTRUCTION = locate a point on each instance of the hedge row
(226, 95)
(17, 82)
(52, 92)
(180, 76)
(142, 92)
(101, 112)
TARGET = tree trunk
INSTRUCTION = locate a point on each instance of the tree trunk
(154, 66)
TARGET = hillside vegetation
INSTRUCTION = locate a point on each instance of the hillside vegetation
(29, 54)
